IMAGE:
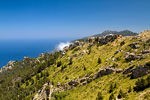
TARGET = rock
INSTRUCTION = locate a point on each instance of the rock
(148, 41)
(117, 52)
(108, 38)
(82, 80)
(140, 71)
(58, 84)
(73, 83)
(45, 93)
(8, 66)
(103, 72)
(128, 70)
(114, 59)
(75, 44)
(134, 45)
(145, 51)
(119, 70)
(130, 56)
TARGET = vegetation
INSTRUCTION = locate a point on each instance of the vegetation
(99, 96)
(76, 74)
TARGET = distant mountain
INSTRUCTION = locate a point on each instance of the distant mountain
(107, 32)
(123, 33)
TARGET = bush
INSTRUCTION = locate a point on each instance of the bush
(27, 83)
(130, 89)
(58, 63)
(121, 94)
(112, 97)
(140, 85)
(122, 43)
(37, 77)
(59, 95)
(99, 61)
(99, 96)
(112, 87)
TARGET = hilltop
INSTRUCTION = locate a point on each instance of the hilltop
(109, 67)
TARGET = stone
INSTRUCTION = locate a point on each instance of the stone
(128, 70)
(73, 83)
(145, 51)
(103, 72)
(130, 56)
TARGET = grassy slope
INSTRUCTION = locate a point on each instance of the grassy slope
(102, 84)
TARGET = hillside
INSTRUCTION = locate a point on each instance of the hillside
(111, 67)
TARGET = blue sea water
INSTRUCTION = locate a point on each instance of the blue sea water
(17, 49)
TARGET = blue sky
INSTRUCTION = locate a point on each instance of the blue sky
(35, 19)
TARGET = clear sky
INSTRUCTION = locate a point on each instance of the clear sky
(70, 18)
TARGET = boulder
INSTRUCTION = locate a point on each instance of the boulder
(130, 56)
(73, 83)
(145, 51)
(140, 71)
(134, 45)
(128, 70)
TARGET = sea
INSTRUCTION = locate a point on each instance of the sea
(17, 49)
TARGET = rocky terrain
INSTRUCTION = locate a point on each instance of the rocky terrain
(111, 67)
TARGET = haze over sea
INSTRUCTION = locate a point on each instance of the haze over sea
(16, 49)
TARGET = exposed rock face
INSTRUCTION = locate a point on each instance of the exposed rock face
(8, 66)
(131, 56)
(104, 72)
(106, 39)
(134, 45)
(139, 71)
(45, 93)
(145, 51)
(73, 83)
(128, 70)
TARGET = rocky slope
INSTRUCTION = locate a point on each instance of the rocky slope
(100, 68)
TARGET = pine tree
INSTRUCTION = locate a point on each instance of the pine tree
(99, 61)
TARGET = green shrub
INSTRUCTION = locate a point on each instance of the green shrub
(122, 43)
(99, 96)
(121, 94)
(58, 63)
(59, 95)
(112, 97)
(112, 87)
(99, 61)
(140, 85)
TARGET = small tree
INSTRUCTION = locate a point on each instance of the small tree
(130, 89)
(58, 63)
(99, 96)
(112, 97)
(27, 83)
(122, 43)
(112, 87)
(148, 81)
(140, 85)
(37, 77)
(121, 94)
(99, 61)
(32, 81)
